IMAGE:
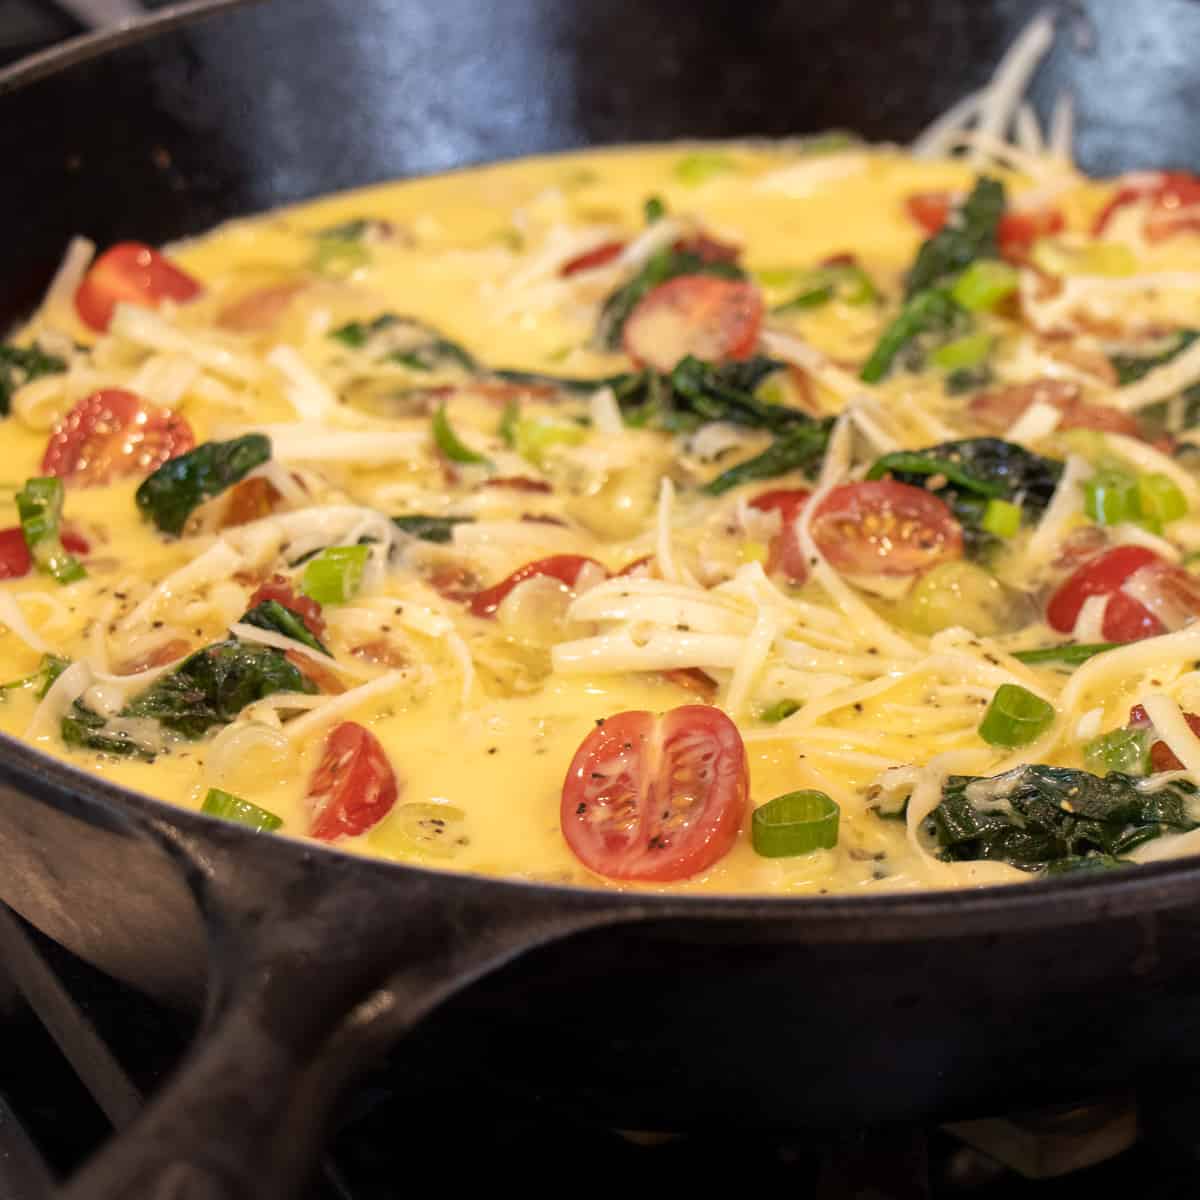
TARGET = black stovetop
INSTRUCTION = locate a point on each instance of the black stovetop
(412, 1117)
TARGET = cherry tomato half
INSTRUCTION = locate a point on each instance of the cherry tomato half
(279, 588)
(111, 434)
(713, 319)
(1173, 198)
(589, 260)
(656, 798)
(1162, 757)
(353, 787)
(15, 559)
(563, 567)
(1125, 619)
(784, 554)
(881, 527)
(130, 273)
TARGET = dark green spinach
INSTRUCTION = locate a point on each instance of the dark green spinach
(181, 485)
(798, 449)
(20, 365)
(1038, 815)
(429, 529)
(969, 234)
(278, 618)
(406, 341)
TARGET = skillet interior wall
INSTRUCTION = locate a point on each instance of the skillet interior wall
(290, 98)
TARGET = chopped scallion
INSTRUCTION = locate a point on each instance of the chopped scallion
(795, 823)
(963, 352)
(39, 506)
(774, 713)
(653, 209)
(450, 444)
(1110, 497)
(1015, 717)
(1071, 654)
(233, 808)
(701, 166)
(984, 284)
(1001, 517)
(1159, 499)
(534, 437)
(335, 575)
(1124, 750)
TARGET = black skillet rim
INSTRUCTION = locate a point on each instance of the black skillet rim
(888, 916)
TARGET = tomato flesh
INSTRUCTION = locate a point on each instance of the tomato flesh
(353, 787)
(784, 554)
(882, 527)
(1162, 757)
(656, 798)
(590, 260)
(15, 559)
(563, 567)
(112, 434)
(130, 273)
(709, 318)
(1125, 619)
(1173, 199)
(279, 588)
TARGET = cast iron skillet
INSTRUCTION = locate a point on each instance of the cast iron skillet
(642, 1011)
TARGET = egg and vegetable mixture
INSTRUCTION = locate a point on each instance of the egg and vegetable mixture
(781, 518)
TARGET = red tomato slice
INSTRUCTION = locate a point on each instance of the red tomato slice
(882, 527)
(1162, 757)
(710, 318)
(279, 588)
(353, 787)
(930, 210)
(656, 798)
(589, 260)
(111, 434)
(784, 554)
(563, 567)
(1174, 199)
(15, 559)
(131, 273)
(1125, 619)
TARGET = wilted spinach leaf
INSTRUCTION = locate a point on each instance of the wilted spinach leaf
(278, 618)
(406, 341)
(797, 449)
(19, 366)
(87, 729)
(1038, 815)
(213, 685)
(181, 485)
(429, 529)
(969, 233)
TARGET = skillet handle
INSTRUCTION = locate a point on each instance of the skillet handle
(300, 1002)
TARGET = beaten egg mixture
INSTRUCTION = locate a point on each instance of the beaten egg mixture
(466, 349)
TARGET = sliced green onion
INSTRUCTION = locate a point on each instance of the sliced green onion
(435, 829)
(813, 296)
(1096, 258)
(1159, 499)
(507, 429)
(984, 284)
(534, 437)
(1001, 517)
(1015, 717)
(701, 166)
(1072, 654)
(926, 310)
(847, 281)
(49, 669)
(795, 823)
(335, 575)
(339, 256)
(39, 506)
(774, 713)
(233, 808)
(963, 352)
(1124, 750)
(450, 444)
(1110, 497)
(653, 209)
